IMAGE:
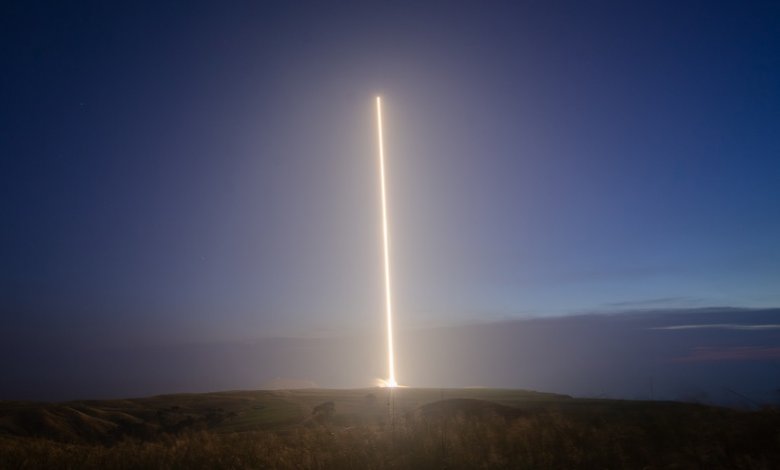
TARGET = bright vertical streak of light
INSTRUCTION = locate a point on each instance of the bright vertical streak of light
(388, 302)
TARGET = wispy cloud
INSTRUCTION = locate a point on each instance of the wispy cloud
(739, 353)
(655, 302)
(719, 326)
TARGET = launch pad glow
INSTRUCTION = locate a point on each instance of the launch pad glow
(390, 382)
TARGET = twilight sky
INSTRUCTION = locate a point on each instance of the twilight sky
(206, 171)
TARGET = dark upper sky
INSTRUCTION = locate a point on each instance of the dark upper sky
(204, 171)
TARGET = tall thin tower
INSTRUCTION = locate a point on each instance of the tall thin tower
(386, 245)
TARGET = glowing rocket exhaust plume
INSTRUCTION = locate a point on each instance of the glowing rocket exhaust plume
(390, 382)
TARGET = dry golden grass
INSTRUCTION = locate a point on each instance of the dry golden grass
(453, 434)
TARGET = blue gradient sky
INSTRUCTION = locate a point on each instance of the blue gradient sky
(199, 171)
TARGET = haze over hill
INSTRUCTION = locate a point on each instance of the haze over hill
(722, 355)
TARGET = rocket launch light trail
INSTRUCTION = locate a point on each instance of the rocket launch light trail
(390, 382)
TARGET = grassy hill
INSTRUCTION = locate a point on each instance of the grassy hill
(374, 428)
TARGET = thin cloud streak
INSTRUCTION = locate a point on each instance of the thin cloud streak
(718, 326)
(659, 301)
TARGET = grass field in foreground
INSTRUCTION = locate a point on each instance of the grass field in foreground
(374, 428)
